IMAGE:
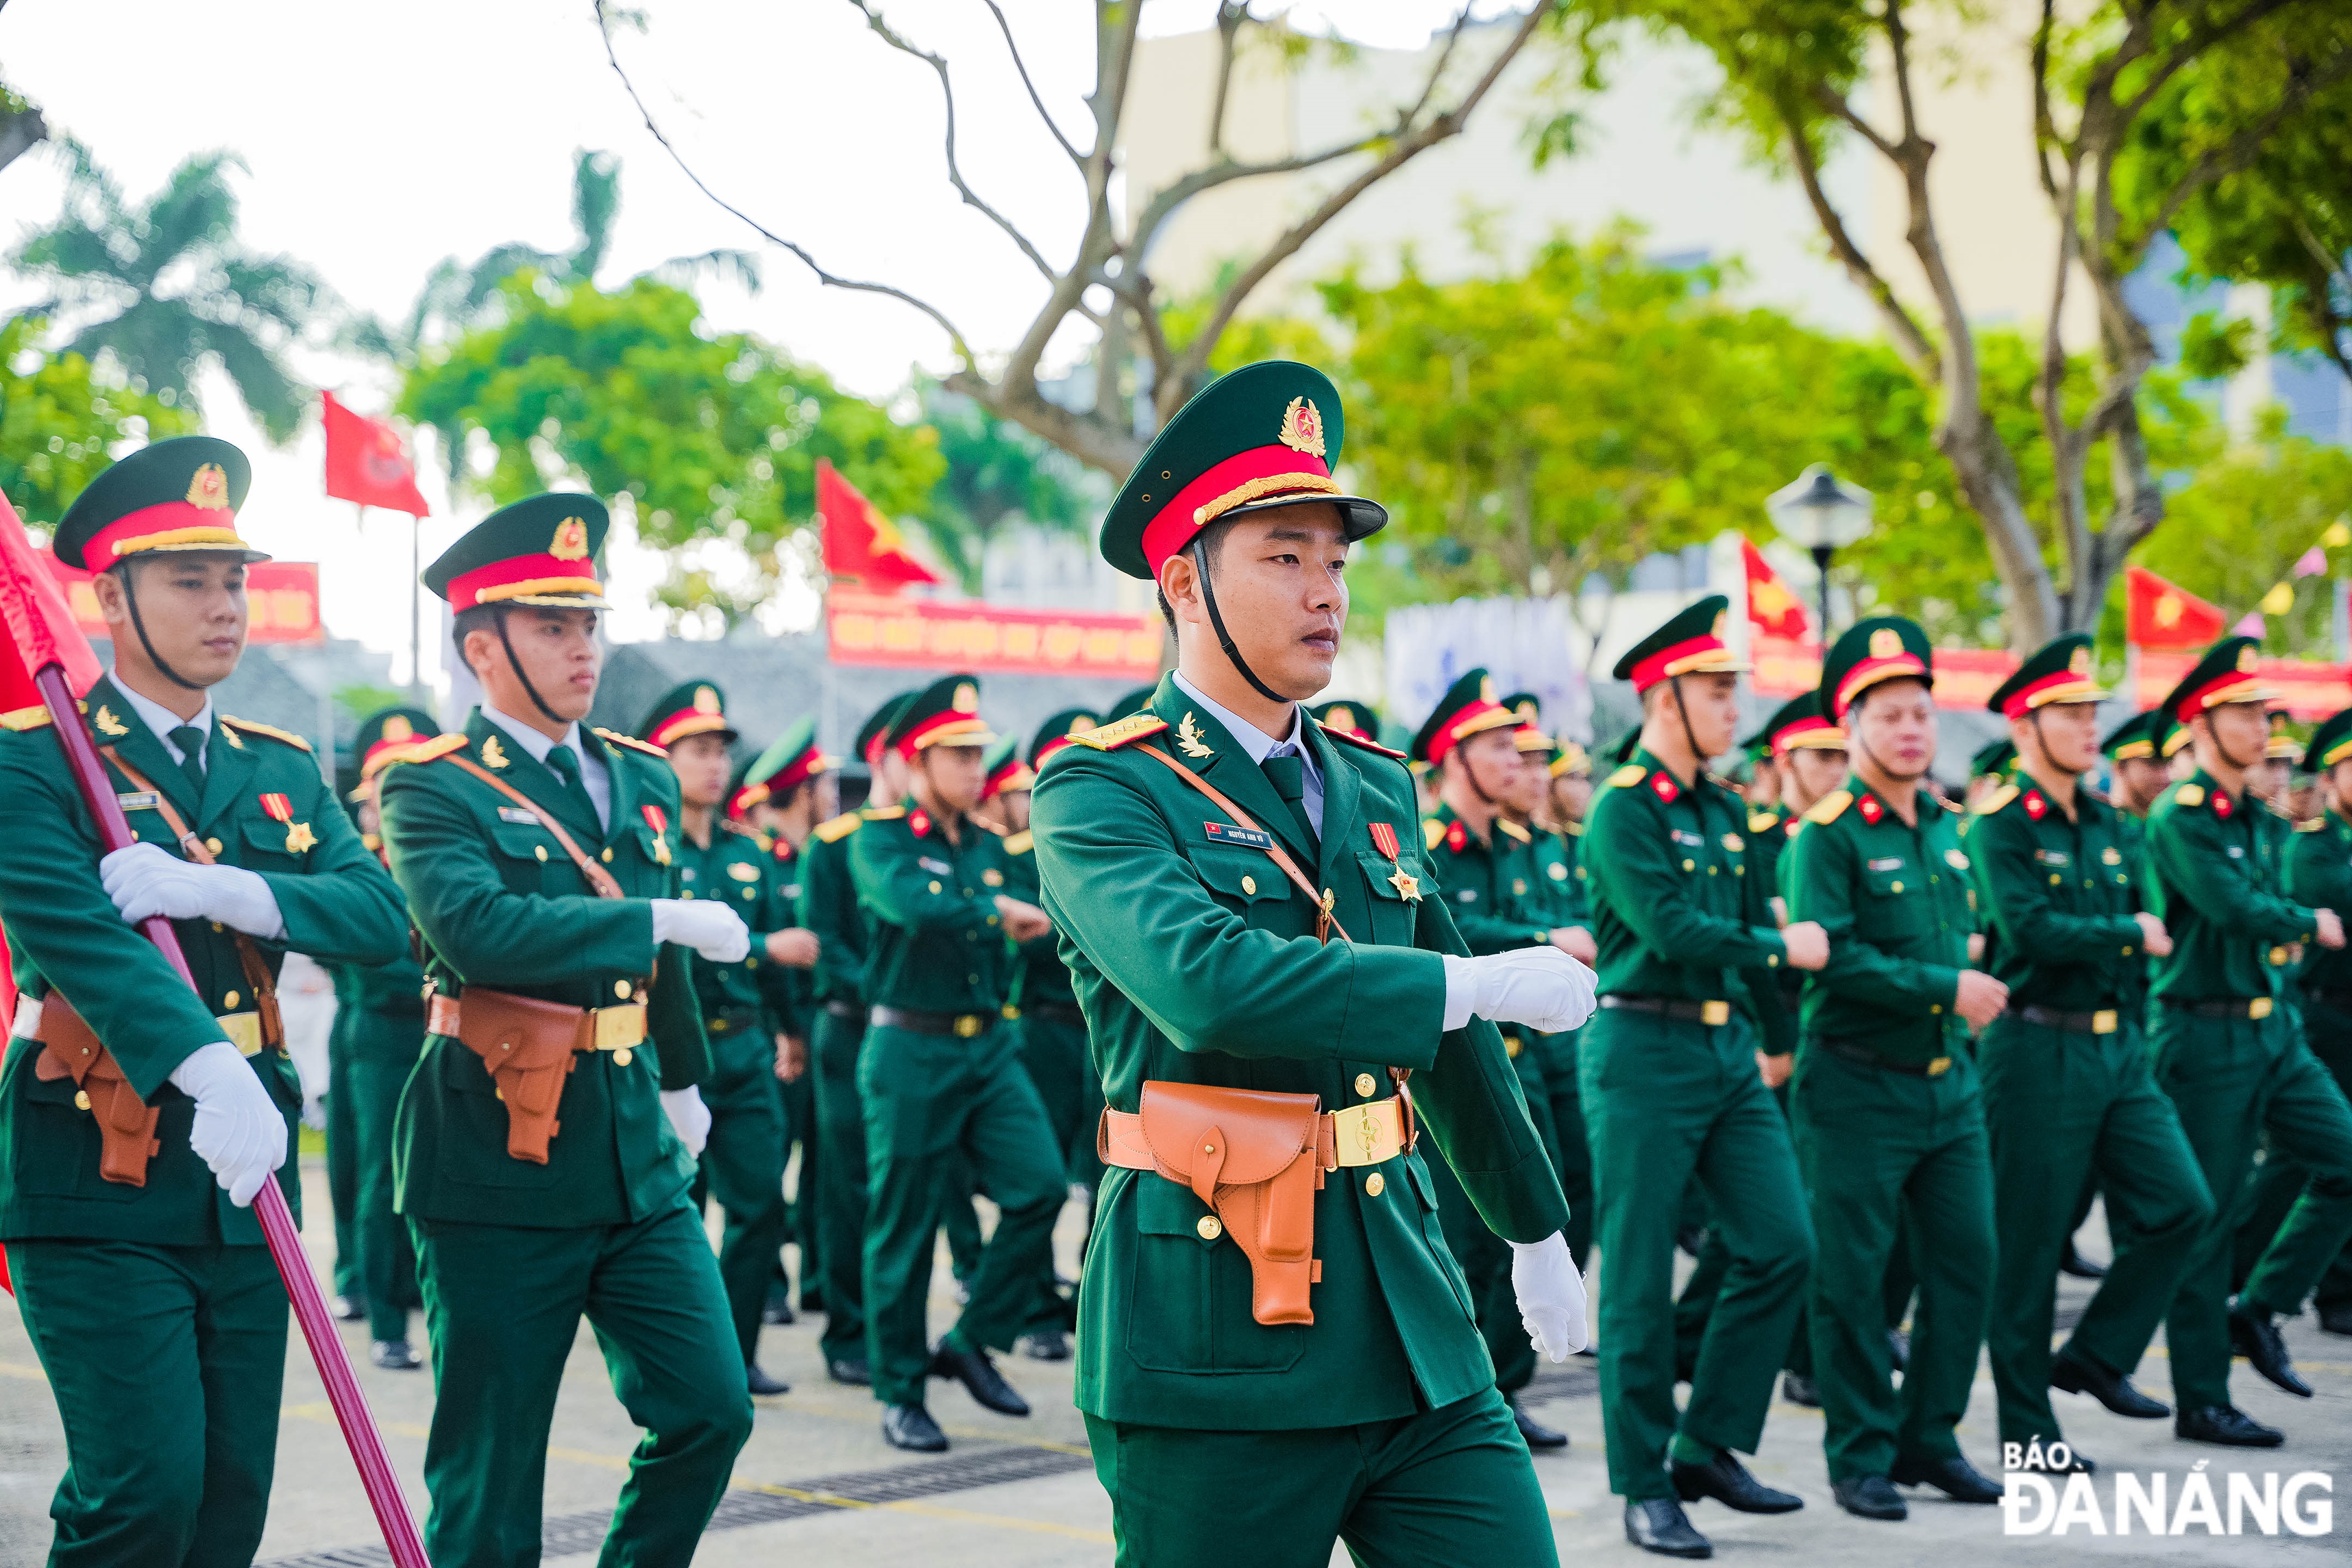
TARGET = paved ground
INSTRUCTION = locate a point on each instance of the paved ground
(817, 1482)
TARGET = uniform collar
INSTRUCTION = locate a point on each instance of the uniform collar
(532, 741)
(161, 720)
(1254, 741)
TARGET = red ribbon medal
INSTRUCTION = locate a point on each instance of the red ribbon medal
(279, 808)
(658, 820)
(1384, 839)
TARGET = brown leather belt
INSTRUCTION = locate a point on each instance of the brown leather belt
(1712, 1013)
(2106, 1021)
(914, 1021)
(2249, 1008)
(1360, 1135)
(528, 1046)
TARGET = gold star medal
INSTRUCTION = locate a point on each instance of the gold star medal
(1407, 885)
(298, 837)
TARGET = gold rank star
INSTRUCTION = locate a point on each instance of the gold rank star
(298, 837)
(1407, 885)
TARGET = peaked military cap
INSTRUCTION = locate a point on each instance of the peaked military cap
(2332, 743)
(2226, 674)
(1569, 759)
(1528, 707)
(1357, 719)
(384, 737)
(1797, 725)
(2171, 735)
(541, 549)
(2057, 671)
(873, 735)
(1884, 647)
(1264, 436)
(1690, 643)
(1055, 732)
(1992, 759)
(944, 713)
(1468, 707)
(742, 794)
(2133, 737)
(689, 708)
(1001, 768)
(791, 757)
(170, 497)
(1132, 703)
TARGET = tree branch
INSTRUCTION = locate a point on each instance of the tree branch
(1231, 14)
(1835, 105)
(2199, 40)
(2045, 123)
(2238, 152)
(1910, 340)
(1022, 66)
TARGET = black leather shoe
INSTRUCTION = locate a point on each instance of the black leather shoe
(1048, 1344)
(2254, 1333)
(2071, 1374)
(1898, 1349)
(1656, 1524)
(979, 1375)
(1534, 1433)
(910, 1426)
(395, 1355)
(2038, 1462)
(1870, 1497)
(2073, 1262)
(347, 1308)
(1955, 1477)
(759, 1383)
(778, 1311)
(851, 1369)
(1798, 1390)
(2226, 1425)
(2335, 1318)
(1726, 1481)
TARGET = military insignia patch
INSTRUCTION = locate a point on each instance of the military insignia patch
(493, 754)
(1486, 689)
(571, 540)
(2221, 807)
(919, 821)
(398, 728)
(108, 724)
(741, 872)
(2246, 659)
(658, 820)
(2035, 806)
(1664, 783)
(1457, 837)
(1996, 800)
(209, 488)
(705, 700)
(967, 698)
(1302, 428)
(1433, 833)
(2190, 795)
(1733, 842)
(1758, 821)
(1871, 810)
(1886, 642)
(1829, 807)
(1134, 727)
(1187, 739)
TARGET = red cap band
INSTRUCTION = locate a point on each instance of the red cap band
(1258, 474)
(174, 524)
(1870, 672)
(520, 575)
(1684, 657)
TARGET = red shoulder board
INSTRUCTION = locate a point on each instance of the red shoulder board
(920, 821)
(1663, 782)
(2034, 804)
(1357, 741)
(1871, 810)
(2221, 807)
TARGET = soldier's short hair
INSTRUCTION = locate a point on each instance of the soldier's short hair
(1211, 541)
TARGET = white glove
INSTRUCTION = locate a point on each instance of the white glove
(1541, 987)
(147, 879)
(1551, 1295)
(690, 1116)
(239, 1132)
(708, 927)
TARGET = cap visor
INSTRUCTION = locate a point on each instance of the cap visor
(245, 553)
(556, 601)
(1359, 517)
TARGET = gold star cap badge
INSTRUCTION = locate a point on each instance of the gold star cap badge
(1886, 642)
(704, 699)
(398, 728)
(1302, 426)
(209, 488)
(967, 698)
(571, 540)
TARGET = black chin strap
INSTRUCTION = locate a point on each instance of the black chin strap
(1470, 772)
(1698, 758)
(2214, 733)
(2042, 741)
(138, 625)
(1225, 638)
(516, 665)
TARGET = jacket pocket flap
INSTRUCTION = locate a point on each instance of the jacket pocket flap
(1251, 1135)
(1246, 873)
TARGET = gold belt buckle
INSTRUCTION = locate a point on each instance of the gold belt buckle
(1511, 1046)
(2103, 1022)
(620, 1028)
(242, 1030)
(1939, 1066)
(1714, 1013)
(969, 1024)
(2260, 1008)
(1368, 1134)
(1012, 1014)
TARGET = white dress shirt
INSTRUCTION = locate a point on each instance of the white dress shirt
(1261, 745)
(592, 776)
(163, 721)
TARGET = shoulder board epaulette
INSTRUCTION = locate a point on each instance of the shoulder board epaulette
(285, 736)
(985, 825)
(1996, 800)
(840, 828)
(2274, 811)
(22, 719)
(632, 744)
(1433, 833)
(1019, 843)
(1947, 802)
(1513, 829)
(2316, 825)
(1826, 809)
(883, 813)
(1761, 821)
(1120, 732)
(1631, 774)
(1359, 742)
(438, 746)
(1573, 829)
(2190, 795)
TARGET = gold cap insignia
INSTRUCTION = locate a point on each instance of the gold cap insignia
(1886, 642)
(209, 488)
(1342, 717)
(1486, 689)
(1527, 714)
(704, 699)
(2246, 658)
(1722, 619)
(967, 698)
(398, 728)
(1302, 426)
(2081, 663)
(571, 542)
(1082, 724)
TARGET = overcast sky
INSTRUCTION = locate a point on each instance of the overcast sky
(381, 139)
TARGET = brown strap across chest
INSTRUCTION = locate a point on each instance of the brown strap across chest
(598, 877)
(1325, 923)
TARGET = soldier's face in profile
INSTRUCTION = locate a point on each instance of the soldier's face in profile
(194, 607)
(2066, 733)
(1710, 702)
(1570, 794)
(1813, 772)
(1279, 582)
(1897, 720)
(952, 777)
(2139, 780)
(2240, 729)
(700, 763)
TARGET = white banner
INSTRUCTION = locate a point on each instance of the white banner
(1523, 643)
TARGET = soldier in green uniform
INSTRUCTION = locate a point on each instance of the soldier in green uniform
(2227, 1053)
(1276, 1350)
(742, 1163)
(138, 1118)
(546, 1142)
(382, 1020)
(1677, 1087)
(1887, 1111)
(934, 1074)
(829, 908)
(1989, 770)
(2068, 1094)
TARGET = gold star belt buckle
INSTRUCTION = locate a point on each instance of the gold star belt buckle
(2103, 1022)
(1368, 1134)
(2260, 1008)
(620, 1028)
(1714, 1013)
(967, 1025)
(242, 1030)
(1939, 1066)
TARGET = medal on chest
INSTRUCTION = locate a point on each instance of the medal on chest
(1384, 839)
(298, 837)
(658, 820)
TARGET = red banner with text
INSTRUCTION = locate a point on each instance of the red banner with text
(876, 628)
(1965, 676)
(281, 599)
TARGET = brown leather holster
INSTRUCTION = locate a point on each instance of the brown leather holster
(126, 1124)
(1254, 1158)
(528, 1046)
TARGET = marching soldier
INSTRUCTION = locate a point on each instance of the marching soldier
(547, 1139)
(933, 1071)
(138, 1118)
(2227, 1053)
(829, 908)
(1275, 1351)
(2068, 1094)
(742, 1162)
(1676, 1085)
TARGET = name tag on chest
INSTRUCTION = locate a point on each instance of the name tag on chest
(1246, 838)
(1695, 840)
(936, 867)
(2051, 856)
(1891, 863)
(518, 815)
(136, 800)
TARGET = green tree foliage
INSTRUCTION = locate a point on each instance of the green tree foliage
(714, 435)
(60, 417)
(996, 473)
(165, 287)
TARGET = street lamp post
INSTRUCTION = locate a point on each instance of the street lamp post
(1821, 514)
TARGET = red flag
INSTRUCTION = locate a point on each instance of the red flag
(1772, 608)
(365, 462)
(2158, 614)
(39, 621)
(863, 549)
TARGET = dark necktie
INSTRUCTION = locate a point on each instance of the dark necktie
(1288, 775)
(564, 763)
(191, 742)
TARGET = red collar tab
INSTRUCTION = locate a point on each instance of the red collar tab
(919, 821)
(2035, 806)
(1663, 782)
(2221, 807)
(1870, 808)
(1456, 836)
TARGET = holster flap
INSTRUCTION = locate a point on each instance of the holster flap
(527, 1046)
(1258, 1134)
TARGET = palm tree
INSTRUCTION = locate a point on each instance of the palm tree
(166, 287)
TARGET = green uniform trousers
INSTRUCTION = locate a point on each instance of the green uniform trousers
(1486, 1258)
(503, 1305)
(387, 1255)
(1571, 1153)
(841, 1182)
(2232, 1080)
(1695, 1305)
(166, 1363)
(2060, 1108)
(344, 1161)
(742, 1170)
(1664, 1099)
(959, 1221)
(1451, 1488)
(2282, 1178)
(1875, 1145)
(1053, 1052)
(930, 1099)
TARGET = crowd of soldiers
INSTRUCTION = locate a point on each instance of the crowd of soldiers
(1868, 1055)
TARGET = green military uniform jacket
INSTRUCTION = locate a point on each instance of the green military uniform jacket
(1775, 994)
(1039, 974)
(745, 1005)
(1894, 901)
(501, 905)
(2319, 875)
(1557, 888)
(1196, 962)
(1491, 888)
(64, 933)
(791, 991)
(2057, 898)
(828, 906)
(936, 942)
(2213, 878)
